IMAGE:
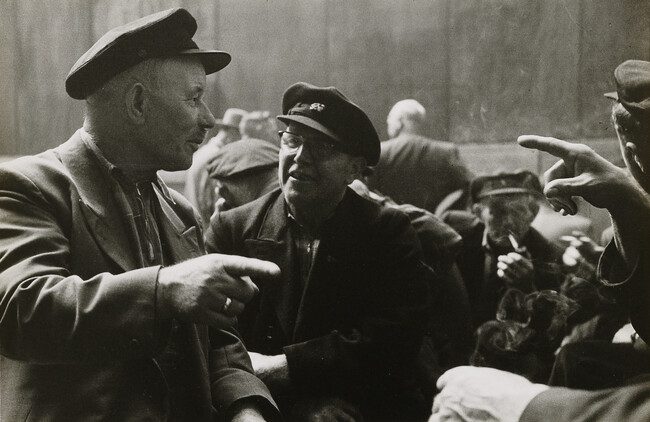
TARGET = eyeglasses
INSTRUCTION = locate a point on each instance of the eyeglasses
(318, 148)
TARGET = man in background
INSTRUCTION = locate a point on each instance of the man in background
(199, 188)
(244, 171)
(500, 248)
(417, 170)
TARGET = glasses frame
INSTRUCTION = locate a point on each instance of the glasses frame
(323, 150)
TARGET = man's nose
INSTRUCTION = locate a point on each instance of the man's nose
(206, 119)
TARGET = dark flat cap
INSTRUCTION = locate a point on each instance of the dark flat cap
(243, 157)
(163, 34)
(328, 111)
(633, 87)
(518, 182)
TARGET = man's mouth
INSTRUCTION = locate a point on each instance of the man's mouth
(301, 176)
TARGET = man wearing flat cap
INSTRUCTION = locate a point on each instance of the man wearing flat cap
(623, 269)
(336, 337)
(199, 187)
(500, 248)
(106, 294)
(244, 171)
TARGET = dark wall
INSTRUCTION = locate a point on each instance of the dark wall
(486, 70)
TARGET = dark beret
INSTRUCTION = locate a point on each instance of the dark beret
(328, 111)
(633, 87)
(243, 157)
(518, 182)
(163, 34)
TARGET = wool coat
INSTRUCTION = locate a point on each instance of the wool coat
(78, 327)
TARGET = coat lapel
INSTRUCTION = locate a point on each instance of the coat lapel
(183, 240)
(108, 220)
(274, 243)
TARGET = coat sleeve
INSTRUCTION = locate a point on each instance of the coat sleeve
(630, 404)
(47, 312)
(630, 286)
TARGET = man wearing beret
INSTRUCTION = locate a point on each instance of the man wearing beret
(623, 269)
(337, 336)
(244, 171)
(500, 248)
(106, 294)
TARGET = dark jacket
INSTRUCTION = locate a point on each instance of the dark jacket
(355, 328)
(78, 327)
(419, 171)
(485, 290)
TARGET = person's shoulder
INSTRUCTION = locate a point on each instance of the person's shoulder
(464, 223)
(253, 211)
(41, 169)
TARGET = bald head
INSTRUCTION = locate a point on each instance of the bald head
(406, 116)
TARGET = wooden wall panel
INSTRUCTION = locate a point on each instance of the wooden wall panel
(612, 32)
(9, 141)
(513, 69)
(385, 51)
(486, 71)
(46, 44)
(273, 44)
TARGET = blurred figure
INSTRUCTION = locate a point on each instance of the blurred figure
(244, 170)
(417, 170)
(500, 248)
(553, 226)
(199, 189)
(260, 125)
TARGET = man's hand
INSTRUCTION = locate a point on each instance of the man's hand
(580, 172)
(517, 271)
(211, 289)
(246, 410)
(273, 370)
(482, 394)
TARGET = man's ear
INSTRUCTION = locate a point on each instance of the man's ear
(135, 100)
(633, 151)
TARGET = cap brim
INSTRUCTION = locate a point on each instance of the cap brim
(213, 60)
(506, 191)
(613, 95)
(309, 123)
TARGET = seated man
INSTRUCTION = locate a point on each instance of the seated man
(244, 171)
(340, 332)
(500, 248)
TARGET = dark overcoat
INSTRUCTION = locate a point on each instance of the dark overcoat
(354, 329)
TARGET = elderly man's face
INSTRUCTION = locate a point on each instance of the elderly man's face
(507, 214)
(314, 176)
(177, 117)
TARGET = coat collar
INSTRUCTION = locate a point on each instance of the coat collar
(108, 214)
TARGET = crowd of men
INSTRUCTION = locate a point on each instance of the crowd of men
(311, 272)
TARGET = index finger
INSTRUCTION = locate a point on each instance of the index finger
(553, 146)
(238, 266)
